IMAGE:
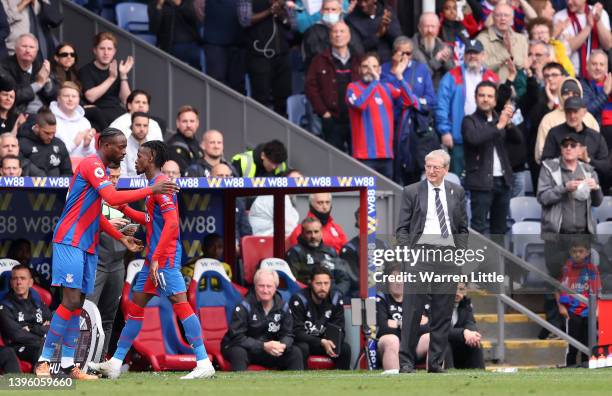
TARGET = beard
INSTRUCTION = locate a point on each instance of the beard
(368, 78)
(429, 42)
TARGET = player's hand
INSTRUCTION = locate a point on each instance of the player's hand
(563, 311)
(165, 187)
(328, 346)
(154, 273)
(133, 244)
(392, 323)
(119, 223)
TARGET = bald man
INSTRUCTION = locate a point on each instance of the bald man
(430, 50)
(212, 146)
(171, 169)
(9, 145)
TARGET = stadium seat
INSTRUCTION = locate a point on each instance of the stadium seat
(526, 234)
(604, 231)
(288, 284)
(254, 249)
(26, 367)
(525, 209)
(132, 17)
(320, 362)
(296, 108)
(603, 212)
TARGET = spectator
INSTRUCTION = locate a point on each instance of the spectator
(8, 358)
(72, 127)
(588, 29)
(488, 168)
(430, 50)
(5, 30)
(319, 207)
(172, 170)
(456, 30)
(261, 214)
(318, 315)
(33, 85)
(328, 76)
(105, 80)
(46, 152)
(137, 101)
(139, 134)
(223, 43)
(242, 228)
(307, 15)
(569, 87)
(212, 148)
(541, 29)
(456, 99)
(376, 26)
(265, 25)
(63, 65)
(175, 23)
(261, 329)
(597, 89)
(318, 36)
(24, 318)
(9, 145)
(368, 100)
(596, 149)
(311, 250)
(212, 247)
(502, 44)
(183, 146)
(539, 55)
(267, 159)
(11, 166)
(10, 120)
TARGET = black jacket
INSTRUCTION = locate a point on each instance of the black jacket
(15, 314)
(316, 40)
(310, 320)
(386, 309)
(174, 24)
(51, 159)
(185, 151)
(350, 254)
(364, 28)
(465, 320)
(203, 169)
(24, 93)
(251, 327)
(479, 138)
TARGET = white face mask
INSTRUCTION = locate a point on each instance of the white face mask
(330, 19)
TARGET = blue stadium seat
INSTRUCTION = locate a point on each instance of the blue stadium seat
(525, 209)
(6, 265)
(603, 212)
(526, 234)
(288, 284)
(132, 17)
(604, 231)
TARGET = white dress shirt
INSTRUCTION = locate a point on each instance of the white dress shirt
(471, 81)
(432, 232)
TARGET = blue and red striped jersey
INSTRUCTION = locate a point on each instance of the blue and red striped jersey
(583, 279)
(157, 206)
(79, 222)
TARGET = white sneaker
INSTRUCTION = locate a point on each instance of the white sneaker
(202, 370)
(107, 369)
(391, 372)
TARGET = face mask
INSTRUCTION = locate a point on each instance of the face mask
(330, 19)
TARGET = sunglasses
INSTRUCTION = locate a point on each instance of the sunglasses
(66, 55)
(407, 53)
(571, 145)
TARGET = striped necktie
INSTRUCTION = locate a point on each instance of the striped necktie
(440, 213)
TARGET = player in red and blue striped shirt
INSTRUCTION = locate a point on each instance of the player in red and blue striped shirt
(161, 273)
(75, 245)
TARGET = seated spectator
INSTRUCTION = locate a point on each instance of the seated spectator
(137, 101)
(375, 26)
(212, 247)
(46, 152)
(11, 166)
(431, 50)
(267, 159)
(33, 86)
(328, 76)
(24, 318)
(8, 358)
(319, 207)
(318, 315)
(105, 80)
(139, 135)
(307, 14)
(261, 213)
(63, 65)
(243, 228)
(10, 119)
(311, 250)
(72, 127)
(171, 169)
(541, 29)
(212, 148)
(261, 329)
(175, 23)
(588, 29)
(502, 44)
(9, 145)
(183, 147)
(369, 100)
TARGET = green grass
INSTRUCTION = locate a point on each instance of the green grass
(555, 382)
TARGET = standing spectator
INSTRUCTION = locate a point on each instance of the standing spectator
(456, 99)
(265, 24)
(33, 85)
(24, 318)
(317, 309)
(267, 159)
(137, 101)
(370, 103)
(212, 147)
(376, 26)
(10, 166)
(9, 145)
(140, 134)
(328, 76)
(307, 15)
(320, 206)
(541, 29)
(10, 120)
(105, 80)
(261, 329)
(455, 30)
(597, 89)
(183, 146)
(63, 65)
(175, 23)
(72, 127)
(502, 44)
(430, 50)
(588, 29)
(488, 169)
(5, 31)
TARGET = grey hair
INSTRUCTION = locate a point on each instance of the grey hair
(441, 154)
(266, 271)
(549, 50)
(426, 14)
(401, 40)
(598, 52)
(311, 197)
(333, 1)
(28, 35)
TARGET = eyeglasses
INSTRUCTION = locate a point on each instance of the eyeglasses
(570, 145)
(553, 75)
(407, 53)
(537, 55)
(66, 54)
(434, 167)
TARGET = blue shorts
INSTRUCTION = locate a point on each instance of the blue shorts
(171, 281)
(73, 268)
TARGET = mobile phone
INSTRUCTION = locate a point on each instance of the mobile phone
(128, 226)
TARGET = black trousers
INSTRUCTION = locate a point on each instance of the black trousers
(495, 204)
(343, 361)
(240, 359)
(337, 133)
(28, 353)
(270, 81)
(107, 296)
(577, 327)
(462, 356)
(8, 361)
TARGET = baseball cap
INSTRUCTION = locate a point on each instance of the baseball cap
(474, 46)
(574, 103)
(570, 86)
(574, 137)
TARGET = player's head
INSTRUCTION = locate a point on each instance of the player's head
(151, 155)
(112, 143)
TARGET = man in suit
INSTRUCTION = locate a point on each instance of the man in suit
(432, 218)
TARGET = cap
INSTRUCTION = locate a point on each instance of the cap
(474, 46)
(574, 103)
(570, 86)
(574, 137)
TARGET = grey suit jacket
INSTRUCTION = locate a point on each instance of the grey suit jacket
(413, 211)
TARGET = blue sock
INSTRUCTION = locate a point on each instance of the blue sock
(56, 332)
(130, 331)
(71, 338)
(193, 333)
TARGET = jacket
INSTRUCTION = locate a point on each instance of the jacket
(451, 100)
(480, 138)
(185, 151)
(497, 54)
(250, 326)
(249, 164)
(598, 103)
(316, 40)
(333, 234)
(310, 320)
(16, 313)
(52, 159)
(174, 24)
(387, 308)
(69, 126)
(436, 68)
(418, 78)
(24, 93)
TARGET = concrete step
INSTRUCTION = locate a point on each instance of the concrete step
(484, 302)
(528, 352)
(516, 326)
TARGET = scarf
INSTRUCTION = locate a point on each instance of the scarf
(590, 44)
